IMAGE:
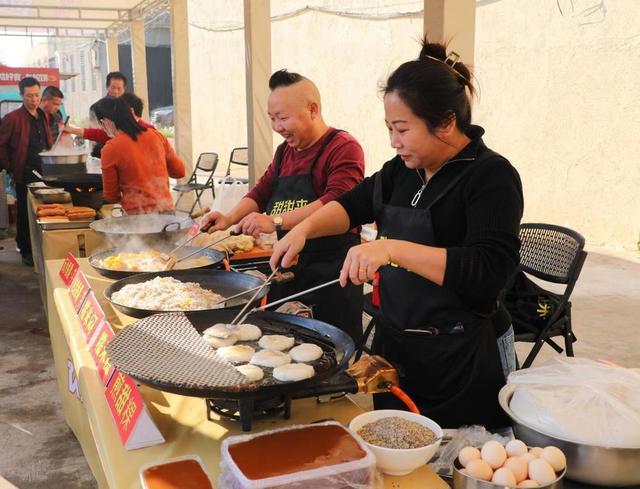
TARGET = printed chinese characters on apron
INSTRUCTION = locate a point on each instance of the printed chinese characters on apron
(321, 259)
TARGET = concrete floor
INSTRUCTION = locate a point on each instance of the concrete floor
(37, 449)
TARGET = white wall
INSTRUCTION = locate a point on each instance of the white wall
(560, 99)
(558, 92)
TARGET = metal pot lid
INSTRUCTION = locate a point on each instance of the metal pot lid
(142, 224)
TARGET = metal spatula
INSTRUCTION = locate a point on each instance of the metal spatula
(172, 261)
(239, 318)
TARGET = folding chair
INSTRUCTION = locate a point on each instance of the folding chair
(553, 254)
(207, 162)
(239, 156)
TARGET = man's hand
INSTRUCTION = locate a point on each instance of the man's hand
(363, 261)
(216, 222)
(256, 223)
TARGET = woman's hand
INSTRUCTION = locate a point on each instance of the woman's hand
(216, 222)
(286, 250)
(363, 261)
(256, 223)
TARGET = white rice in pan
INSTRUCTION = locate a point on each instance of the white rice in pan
(167, 294)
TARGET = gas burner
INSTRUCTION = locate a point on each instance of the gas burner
(246, 410)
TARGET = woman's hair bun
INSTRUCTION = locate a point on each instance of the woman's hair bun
(432, 50)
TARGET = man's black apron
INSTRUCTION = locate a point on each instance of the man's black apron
(321, 259)
(447, 355)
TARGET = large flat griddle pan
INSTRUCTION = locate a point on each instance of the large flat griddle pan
(162, 352)
(213, 258)
(220, 282)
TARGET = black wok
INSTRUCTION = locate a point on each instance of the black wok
(213, 258)
(148, 228)
(220, 282)
(338, 348)
(71, 181)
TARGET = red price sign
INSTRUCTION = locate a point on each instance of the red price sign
(90, 316)
(125, 402)
(68, 270)
(99, 353)
(78, 290)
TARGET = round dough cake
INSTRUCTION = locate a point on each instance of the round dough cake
(276, 342)
(236, 353)
(216, 342)
(270, 358)
(219, 330)
(306, 352)
(293, 372)
(252, 372)
(247, 332)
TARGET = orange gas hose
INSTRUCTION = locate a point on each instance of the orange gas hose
(402, 395)
(263, 302)
(225, 262)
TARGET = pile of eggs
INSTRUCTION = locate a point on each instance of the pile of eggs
(514, 465)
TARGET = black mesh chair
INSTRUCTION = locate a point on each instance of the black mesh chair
(239, 156)
(553, 254)
(207, 163)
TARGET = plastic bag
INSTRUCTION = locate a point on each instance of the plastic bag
(229, 192)
(580, 400)
(466, 436)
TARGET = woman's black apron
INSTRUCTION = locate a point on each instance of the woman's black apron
(446, 354)
(321, 259)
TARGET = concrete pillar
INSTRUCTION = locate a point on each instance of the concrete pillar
(257, 38)
(181, 71)
(139, 64)
(455, 21)
(113, 61)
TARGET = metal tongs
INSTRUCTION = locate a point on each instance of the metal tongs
(240, 317)
(171, 261)
(60, 132)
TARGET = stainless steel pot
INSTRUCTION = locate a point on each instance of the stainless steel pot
(611, 467)
(71, 159)
(149, 228)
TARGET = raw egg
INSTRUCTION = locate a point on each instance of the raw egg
(536, 451)
(515, 448)
(504, 477)
(518, 466)
(541, 472)
(479, 469)
(528, 457)
(467, 454)
(494, 454)
(555, 457)
(528, 483)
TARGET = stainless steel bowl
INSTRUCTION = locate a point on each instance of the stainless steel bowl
(611, 467)
(72, 159)
(463, 481)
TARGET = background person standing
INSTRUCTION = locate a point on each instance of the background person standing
(52, 99)
(24, 133)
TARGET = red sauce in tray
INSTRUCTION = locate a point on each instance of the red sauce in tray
(184, 474)
(295, 450)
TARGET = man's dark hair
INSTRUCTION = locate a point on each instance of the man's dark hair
(26, 82)
(116, 75)
(134, 102)
(117, 111)
(283, 78)
(52, 92)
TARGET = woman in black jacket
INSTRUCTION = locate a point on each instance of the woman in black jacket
(448, 211)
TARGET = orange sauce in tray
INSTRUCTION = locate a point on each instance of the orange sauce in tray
(295, 450)
(182, 474)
